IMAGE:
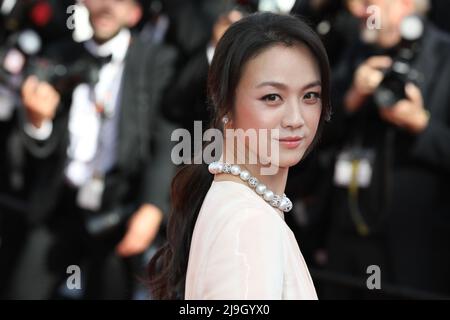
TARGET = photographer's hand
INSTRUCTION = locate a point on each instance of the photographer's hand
(142, 230)
(40, 100)
(366, 79)
(408, 113)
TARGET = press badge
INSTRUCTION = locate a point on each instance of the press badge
(354, 166)
(90, 195)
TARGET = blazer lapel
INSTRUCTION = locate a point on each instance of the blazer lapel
(128, 134)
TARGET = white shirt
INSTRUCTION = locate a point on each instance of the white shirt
(92, 147)
(242, 248)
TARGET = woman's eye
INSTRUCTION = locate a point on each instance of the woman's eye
(272, 98)
(312, 97)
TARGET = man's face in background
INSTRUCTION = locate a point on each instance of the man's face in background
(108, 17)
(391, 14)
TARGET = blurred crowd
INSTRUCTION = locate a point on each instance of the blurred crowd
(91, 90)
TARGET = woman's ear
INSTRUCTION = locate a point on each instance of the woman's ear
(227, 122)
(135, 15)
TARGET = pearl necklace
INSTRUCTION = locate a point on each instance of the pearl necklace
(280, 202)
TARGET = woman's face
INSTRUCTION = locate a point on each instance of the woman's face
(280, 89)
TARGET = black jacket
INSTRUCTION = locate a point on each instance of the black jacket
(411, 177)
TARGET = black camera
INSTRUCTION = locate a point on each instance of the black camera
(392, 87)
(64, 77)
(18, 59)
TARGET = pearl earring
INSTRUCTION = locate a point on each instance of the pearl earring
(225, 120)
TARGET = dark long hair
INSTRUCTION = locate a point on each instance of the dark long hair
(241, 42)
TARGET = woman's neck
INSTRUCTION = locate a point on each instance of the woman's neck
(273, 177)
(275, 182)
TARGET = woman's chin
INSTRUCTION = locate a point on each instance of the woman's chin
(291, 159)
(286, 163)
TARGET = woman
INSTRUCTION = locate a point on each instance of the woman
(227, 238)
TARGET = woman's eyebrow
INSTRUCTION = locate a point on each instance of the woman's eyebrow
(272, 84)
(313, 84)
(284, 86)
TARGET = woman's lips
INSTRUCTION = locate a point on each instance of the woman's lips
(291, 142)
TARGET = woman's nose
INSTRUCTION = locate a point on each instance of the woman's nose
(293, 116)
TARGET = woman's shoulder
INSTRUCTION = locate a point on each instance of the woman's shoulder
(231, 207)
(245, 227)
(231, 199)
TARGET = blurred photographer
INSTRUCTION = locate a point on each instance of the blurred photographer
(103, 161)
(23, 26)
(391, 128)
